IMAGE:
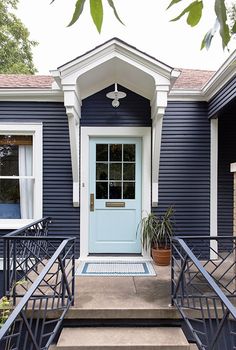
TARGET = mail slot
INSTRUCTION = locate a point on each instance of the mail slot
(115, 204)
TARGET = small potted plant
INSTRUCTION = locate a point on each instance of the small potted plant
(156, 234)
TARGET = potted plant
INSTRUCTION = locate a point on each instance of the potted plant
(156, 234)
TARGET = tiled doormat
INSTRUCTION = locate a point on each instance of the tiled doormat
(115, 268)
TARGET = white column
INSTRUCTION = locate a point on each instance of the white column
(214, 185)
(73, 110)
(158, 105)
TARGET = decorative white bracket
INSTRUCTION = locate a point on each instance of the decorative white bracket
(73, 110)
(158, 106)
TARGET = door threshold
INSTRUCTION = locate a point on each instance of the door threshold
(115, 254)
(115, 257)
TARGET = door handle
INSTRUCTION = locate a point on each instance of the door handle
(91, 201)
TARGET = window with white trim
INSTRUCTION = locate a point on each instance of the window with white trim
(20, 174)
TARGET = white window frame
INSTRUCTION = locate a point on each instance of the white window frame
(36, 131)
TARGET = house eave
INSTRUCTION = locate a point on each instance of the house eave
(186, 95)
(116, 46)
(220, 78)
(31, 94)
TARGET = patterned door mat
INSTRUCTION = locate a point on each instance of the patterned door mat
(115, 268)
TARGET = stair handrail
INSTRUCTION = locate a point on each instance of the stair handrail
(186, 255)
(56, 272)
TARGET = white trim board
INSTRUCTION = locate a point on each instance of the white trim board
(214, 186)
(86, 133)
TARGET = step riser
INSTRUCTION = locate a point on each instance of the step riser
(140, 347)
(122, 338)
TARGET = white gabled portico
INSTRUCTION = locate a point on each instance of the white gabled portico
(114, 62)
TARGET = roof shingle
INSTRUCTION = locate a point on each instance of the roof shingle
(192, 79)
(189, 79)
(25, 81)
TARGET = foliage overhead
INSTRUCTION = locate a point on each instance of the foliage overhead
(15, 47)
(225, 22)
(96, 11)
(225, 12)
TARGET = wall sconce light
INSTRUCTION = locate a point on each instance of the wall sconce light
(116, 96)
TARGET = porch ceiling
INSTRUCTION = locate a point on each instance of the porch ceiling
(118, 71)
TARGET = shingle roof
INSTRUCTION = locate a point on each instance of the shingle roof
(192, 79)
(25, 81)
(189, 79)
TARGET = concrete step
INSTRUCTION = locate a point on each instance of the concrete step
(122, 338)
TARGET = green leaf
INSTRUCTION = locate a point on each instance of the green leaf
(111, 3)
(194, 11)
(234, 28)
(206, 42)
(173, 2)
(79, 6)
(96, 10)
(221, 14)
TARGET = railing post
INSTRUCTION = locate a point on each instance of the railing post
(63, 277)
(73, 274)
(14, 266)
(8, 271)
(172, 275)
(5, 266)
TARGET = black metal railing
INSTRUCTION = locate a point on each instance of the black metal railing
(39, 274)
(204, 289)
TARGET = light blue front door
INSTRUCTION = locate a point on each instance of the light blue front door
(115, 195)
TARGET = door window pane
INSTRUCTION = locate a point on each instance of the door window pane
(115, 171)
(116, 153)
(102, 190)
(129, 153)
(129, 190)
(115, 190)
(129, 171)
(101, 152)
(102, 171)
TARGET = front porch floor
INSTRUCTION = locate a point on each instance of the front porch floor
(124, 297)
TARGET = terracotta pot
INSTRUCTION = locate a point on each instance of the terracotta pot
(161, 257)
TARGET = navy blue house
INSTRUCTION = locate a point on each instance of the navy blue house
(111, 136)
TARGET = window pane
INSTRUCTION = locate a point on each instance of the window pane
(129, 171)
(115, 171)
(115, 190)
(129, 153)
(101, 190)
(16, 140)
(116, 153)
(9, 160)
(16, 199)
(101, 152)
(102, 171)
(129, 190)
(15, 155)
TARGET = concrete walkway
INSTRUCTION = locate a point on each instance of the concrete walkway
(124, 297)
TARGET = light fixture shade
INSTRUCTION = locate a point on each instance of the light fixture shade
(115, 103)
(115, 96)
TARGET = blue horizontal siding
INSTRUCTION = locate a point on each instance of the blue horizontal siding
(222, 98)
(134, 110)
(184, 177)
(57, 175)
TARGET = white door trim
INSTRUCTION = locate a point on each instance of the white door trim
(86, 133)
